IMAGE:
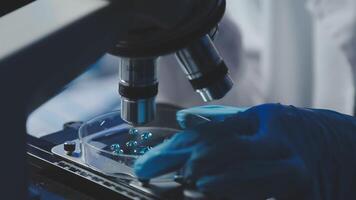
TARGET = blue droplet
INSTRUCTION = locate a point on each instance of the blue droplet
(133, 132)
(118, 151)
(115, 147)
(141, 150)
(135, 151)
(146, 135)
(131, 143)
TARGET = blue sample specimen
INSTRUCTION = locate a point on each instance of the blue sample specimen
(131, 144)
(141, 150)
(115, 147)
(118, 151)
(133, 132)
(146, 135)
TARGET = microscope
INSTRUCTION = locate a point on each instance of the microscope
(185, 28)
(47, 43)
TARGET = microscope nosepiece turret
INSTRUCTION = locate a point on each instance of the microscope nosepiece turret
(158, 28)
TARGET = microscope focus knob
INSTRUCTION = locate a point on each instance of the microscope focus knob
(69, 147)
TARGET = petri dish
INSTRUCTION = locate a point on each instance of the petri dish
(111, 146)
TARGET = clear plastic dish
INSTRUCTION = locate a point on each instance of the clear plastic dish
(112, 146)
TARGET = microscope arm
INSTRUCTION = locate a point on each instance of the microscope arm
(46, 44)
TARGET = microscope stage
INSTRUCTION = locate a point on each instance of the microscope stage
(75, 163)
(49, 155)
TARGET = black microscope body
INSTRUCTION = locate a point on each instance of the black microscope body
(46, 44)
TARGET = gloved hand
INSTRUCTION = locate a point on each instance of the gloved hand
(267, 151)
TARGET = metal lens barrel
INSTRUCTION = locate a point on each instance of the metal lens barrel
(138, 88)
(205, 69)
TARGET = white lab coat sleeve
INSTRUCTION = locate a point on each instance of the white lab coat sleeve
(286, 53)
(335, 53)
(338, 18)
(332, 74)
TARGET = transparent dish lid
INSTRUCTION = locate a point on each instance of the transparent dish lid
(111, 146)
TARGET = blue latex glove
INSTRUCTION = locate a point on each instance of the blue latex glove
(267, 151)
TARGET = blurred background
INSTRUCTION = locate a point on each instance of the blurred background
(276, 52)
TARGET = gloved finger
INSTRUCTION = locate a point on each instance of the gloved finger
(174, 153)
(284, 179)
(239, 124)
(166, 157)
(230, 151)
(191, 117)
